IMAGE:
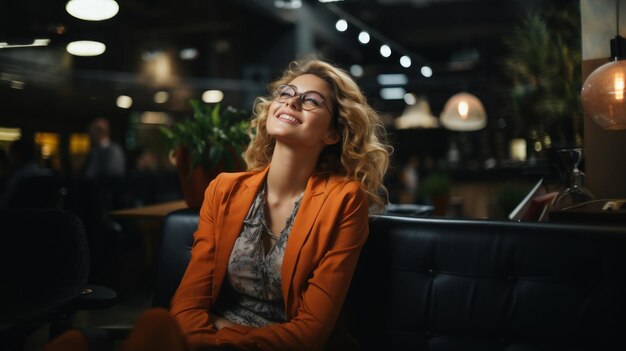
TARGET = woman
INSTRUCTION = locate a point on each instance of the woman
(276, 247)
(278, 280)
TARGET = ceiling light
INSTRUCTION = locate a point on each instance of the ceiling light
(92, 10)
(426, 71)
(356, 70)
(603, 97)
(385, 50)
(36, 42)
(152, 117)
(341, 25)
(463, 112)
(10, 134)
(212, 96)
(86, 48)
(392, 93)
(364, 37)
(410, 99)
(188, 53)
(161, 97)
(405, 61)
(124, 101)
(288, 4)
(17, 84)
(602, 94)
(416, 115)
(392, 79)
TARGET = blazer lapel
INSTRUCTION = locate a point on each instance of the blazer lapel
(310, 206)
(235, 208)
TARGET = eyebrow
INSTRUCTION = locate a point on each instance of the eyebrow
(304, 92)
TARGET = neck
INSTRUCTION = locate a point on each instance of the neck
(290, 171)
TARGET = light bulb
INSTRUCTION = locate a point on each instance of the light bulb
(602, 95)
(463, 109)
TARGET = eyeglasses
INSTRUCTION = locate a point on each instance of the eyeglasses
(309, 100)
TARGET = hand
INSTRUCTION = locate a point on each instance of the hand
(220, 322)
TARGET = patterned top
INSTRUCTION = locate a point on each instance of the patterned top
(253, 283)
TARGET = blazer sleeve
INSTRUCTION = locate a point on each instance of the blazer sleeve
(322, 298)
(192, 301)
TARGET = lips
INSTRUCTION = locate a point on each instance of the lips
(288, 118)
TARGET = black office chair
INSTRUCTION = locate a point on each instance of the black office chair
(174, 254)
(45, 268)
(41, 191)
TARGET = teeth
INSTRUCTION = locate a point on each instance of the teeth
(288, 117)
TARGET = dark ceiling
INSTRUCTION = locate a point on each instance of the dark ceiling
(241, 45)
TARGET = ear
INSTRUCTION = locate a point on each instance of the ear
(331, 138)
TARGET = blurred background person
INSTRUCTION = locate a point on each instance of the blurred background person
(22, 166)
(103, 189)
(106, 158)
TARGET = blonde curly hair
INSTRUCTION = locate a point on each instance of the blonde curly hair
(362, 153)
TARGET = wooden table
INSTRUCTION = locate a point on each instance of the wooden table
(156, 211)
(148, 221)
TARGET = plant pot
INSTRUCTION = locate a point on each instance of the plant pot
(194, 182)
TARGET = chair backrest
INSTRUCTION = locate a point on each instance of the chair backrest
(442, 284)
(41, 191)
(174, 254)
(45, 264)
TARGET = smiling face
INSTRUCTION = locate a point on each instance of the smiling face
(290, 124)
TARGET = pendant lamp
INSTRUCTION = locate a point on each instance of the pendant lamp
(463, 112)
(92, 10)
(417, 115)
(602, 94)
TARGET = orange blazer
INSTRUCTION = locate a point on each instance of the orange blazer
(329, 230)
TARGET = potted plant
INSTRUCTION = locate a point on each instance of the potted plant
(203, 145)
(436, 188)
(543, 68)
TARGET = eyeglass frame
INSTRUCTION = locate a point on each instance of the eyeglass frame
(277, 95)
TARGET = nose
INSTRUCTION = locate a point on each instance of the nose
(294, 102)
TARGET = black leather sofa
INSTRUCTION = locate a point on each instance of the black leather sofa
(444, 284)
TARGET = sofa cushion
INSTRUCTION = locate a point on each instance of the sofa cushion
(442, 284)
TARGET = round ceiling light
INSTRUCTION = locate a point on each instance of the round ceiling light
(212, 96)
(92, 10)
(86, 48)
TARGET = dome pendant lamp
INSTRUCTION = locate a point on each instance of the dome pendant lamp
(92, 10)
(603, 92)
(463, 112)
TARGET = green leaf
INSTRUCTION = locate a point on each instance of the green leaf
(208, 134)
(215, 116)
(215, 155)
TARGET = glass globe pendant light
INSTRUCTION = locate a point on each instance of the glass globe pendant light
(603, 92)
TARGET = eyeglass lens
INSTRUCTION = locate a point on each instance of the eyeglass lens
(308, 101)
